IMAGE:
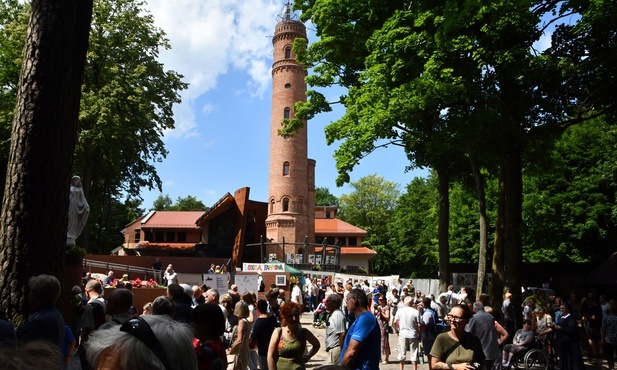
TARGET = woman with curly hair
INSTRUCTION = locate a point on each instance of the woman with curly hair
(287, 344)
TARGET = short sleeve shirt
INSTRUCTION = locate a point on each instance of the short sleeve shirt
(366, 331)
(336, 326)
(470, 349)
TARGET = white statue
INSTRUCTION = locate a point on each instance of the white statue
(78, 211)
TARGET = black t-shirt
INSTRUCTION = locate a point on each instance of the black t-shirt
(262, 332)
(157, 266)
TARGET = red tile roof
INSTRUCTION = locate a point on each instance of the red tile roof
(357, 250)
(171, 219)
(333, 226)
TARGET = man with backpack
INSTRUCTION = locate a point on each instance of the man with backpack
(430, 326)
(483, 326)
(93, 318)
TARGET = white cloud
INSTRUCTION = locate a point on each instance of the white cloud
(207, 108)
(207, 37)
(185, 126)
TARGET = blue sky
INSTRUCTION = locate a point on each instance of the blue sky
(221, 140)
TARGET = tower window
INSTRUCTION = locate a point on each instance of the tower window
(272, 206)
(288, 86)
(286, 169)
(286, 113)
(288, 52)
(285, 205)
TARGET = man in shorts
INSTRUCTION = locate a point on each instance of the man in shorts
(406, 326)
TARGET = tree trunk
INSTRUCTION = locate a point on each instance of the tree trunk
(445, 272)
(483, 224)
(513, 250)
(497, 282)
(35, 206)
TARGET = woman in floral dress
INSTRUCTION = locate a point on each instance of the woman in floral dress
(382, 313)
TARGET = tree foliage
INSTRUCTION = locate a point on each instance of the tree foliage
(413, 244)
(569, 208)
(370, 207)
(323, 197)
(13, 22)
(448, 78)
(188, 203)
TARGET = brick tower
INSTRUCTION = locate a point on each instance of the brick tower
(291, 190)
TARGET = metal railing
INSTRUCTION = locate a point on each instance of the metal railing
(147, 273)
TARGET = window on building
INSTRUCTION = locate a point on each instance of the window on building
(288, 52)
(288, 86)
(137, 235)
(159, 236)
(285, 205)
(286, 169)
(327, 214)
(148, 236)
(352, 241)
(182, 236)
(272, 206)
(171, 236)
(286, 113)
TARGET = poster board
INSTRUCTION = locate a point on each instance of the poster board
(247, 283)
(281, 280)
(217, 281)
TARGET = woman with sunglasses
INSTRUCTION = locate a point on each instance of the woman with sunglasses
(457, 349)
(288, 343)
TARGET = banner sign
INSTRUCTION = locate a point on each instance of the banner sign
(264, 267)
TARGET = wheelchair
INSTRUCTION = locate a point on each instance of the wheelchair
(321, 320)
(540, 357)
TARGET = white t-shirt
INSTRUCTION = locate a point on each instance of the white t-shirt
(296, 295)
(407, 318)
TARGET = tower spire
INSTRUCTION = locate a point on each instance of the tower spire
(287, 14)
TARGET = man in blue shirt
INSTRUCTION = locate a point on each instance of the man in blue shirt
(361, 349)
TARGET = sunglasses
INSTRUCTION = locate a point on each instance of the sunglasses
(140, 329)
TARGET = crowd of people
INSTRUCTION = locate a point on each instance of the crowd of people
(198, 327)
(459, 330)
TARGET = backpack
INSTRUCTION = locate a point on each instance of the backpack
(98, 312)
(438, 326)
